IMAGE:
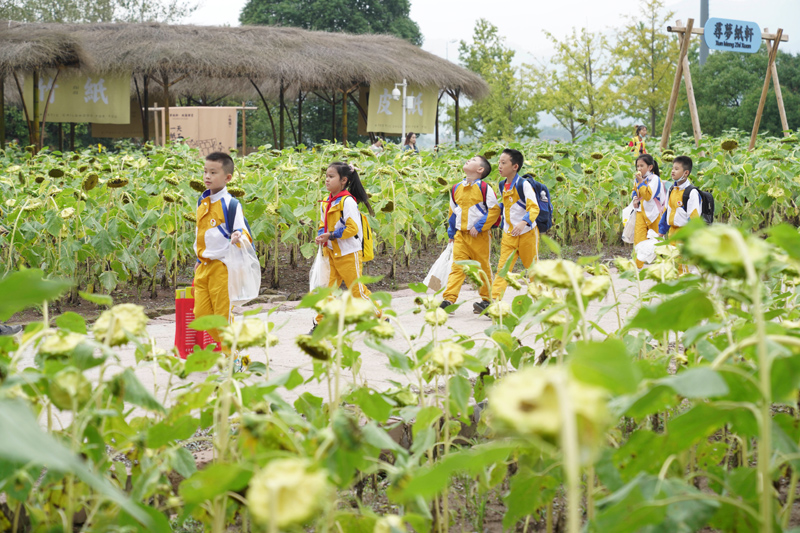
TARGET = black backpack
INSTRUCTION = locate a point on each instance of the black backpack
(706, 201)
(544, 221)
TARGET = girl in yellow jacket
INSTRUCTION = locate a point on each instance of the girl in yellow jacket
(340, 232)
(648, 199)
(636, 144)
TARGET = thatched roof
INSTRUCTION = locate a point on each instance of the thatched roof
(48, 48)
(271, 56)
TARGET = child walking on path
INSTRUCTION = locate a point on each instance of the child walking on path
(684, 202)
(520, 208)
(648, 198)
(473, 211)
(212, 240)
(340, 230)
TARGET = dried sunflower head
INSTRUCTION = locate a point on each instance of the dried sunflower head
(729, 145)
(289, 486)
(197, 185)
(191, 217)
(236, 192)
(172, 180)
(116, 182)
(597, 155)
(321, 349)
(90, 182)
(172, 198)
(67, 213)
(122, 318)
(383, 330)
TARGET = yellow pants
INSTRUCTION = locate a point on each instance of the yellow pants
(469, 248)
(211, 293)
(347, 269)
(640, 230)
(526, 247)
(682, 269)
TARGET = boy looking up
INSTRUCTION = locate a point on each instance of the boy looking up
(520, 233)
(473, 211)
(212, 240)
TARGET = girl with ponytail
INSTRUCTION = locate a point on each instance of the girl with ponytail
(341, 233)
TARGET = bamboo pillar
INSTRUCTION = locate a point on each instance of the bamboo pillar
(333, 116)
(71, 136)
(244, 130)
(33, 126)
(2, 112)
(300, 117)
(687, 80)
(778, 95)
(146, 112)
(458, 125)
(165, 120)
(676, 84)
(281, 122)
(344, 117)
(765, 89)
(436, 140)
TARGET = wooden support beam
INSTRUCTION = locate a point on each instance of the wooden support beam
(687, 80)
(778, 95)
(676, 85)
(772, 53)
(2, 112)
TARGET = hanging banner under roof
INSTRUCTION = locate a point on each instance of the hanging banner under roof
(732, 35)
(385, 115)
(99, 98)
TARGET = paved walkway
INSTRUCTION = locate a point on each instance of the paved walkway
(375, 370)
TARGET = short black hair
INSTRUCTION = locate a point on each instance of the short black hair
(225, 159)
(487, 167)
(684, 161)
(516, 157)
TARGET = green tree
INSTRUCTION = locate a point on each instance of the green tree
(359, 16)
(96, 10)
(579, 91)
(509, 112)
(647, 58)
(728, 87)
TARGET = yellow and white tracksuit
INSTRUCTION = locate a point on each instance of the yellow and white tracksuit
(637, 146)
(651, 194)
(343, 249)
(517, 211)
(211, 244)
(678, 215)
(468, 211)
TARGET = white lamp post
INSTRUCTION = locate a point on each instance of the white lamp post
(396, 95)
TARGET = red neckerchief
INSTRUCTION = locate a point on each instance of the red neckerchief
(330, 201)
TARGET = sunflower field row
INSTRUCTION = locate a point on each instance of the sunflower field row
(105, 219)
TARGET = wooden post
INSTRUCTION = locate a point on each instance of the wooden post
(778, 95)
(146, 112)
(71, 136)
(244, 130)
(33, 126)
(300, 117)
(60, 137)
(436, 141)
(281, 122)
(165, 116)
(770, 63)
(2, 112)
(676, 84)
(687, 80)
(344, 117)
(333, 116)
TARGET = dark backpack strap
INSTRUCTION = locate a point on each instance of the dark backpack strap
(685, 199)
(453, 192)
(230, 215)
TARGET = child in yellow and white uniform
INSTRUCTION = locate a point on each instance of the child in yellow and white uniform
(212, 240)
(677, 214)
(636, 144)
(340, 233)
(469, 223)
(648, 198)
(520, 233)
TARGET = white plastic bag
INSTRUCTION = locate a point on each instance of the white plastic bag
(320, 274)
(646, 250)
(629, 223)
(244, 272)
(437, 277)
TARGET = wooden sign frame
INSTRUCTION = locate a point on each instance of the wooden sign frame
(772, 40)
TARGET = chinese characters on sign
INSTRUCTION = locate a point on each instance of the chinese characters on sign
(385, 113)
(732, 35)
(97, 98)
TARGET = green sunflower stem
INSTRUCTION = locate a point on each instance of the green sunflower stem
(571, 462)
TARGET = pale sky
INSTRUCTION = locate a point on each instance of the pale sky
(444, 22)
